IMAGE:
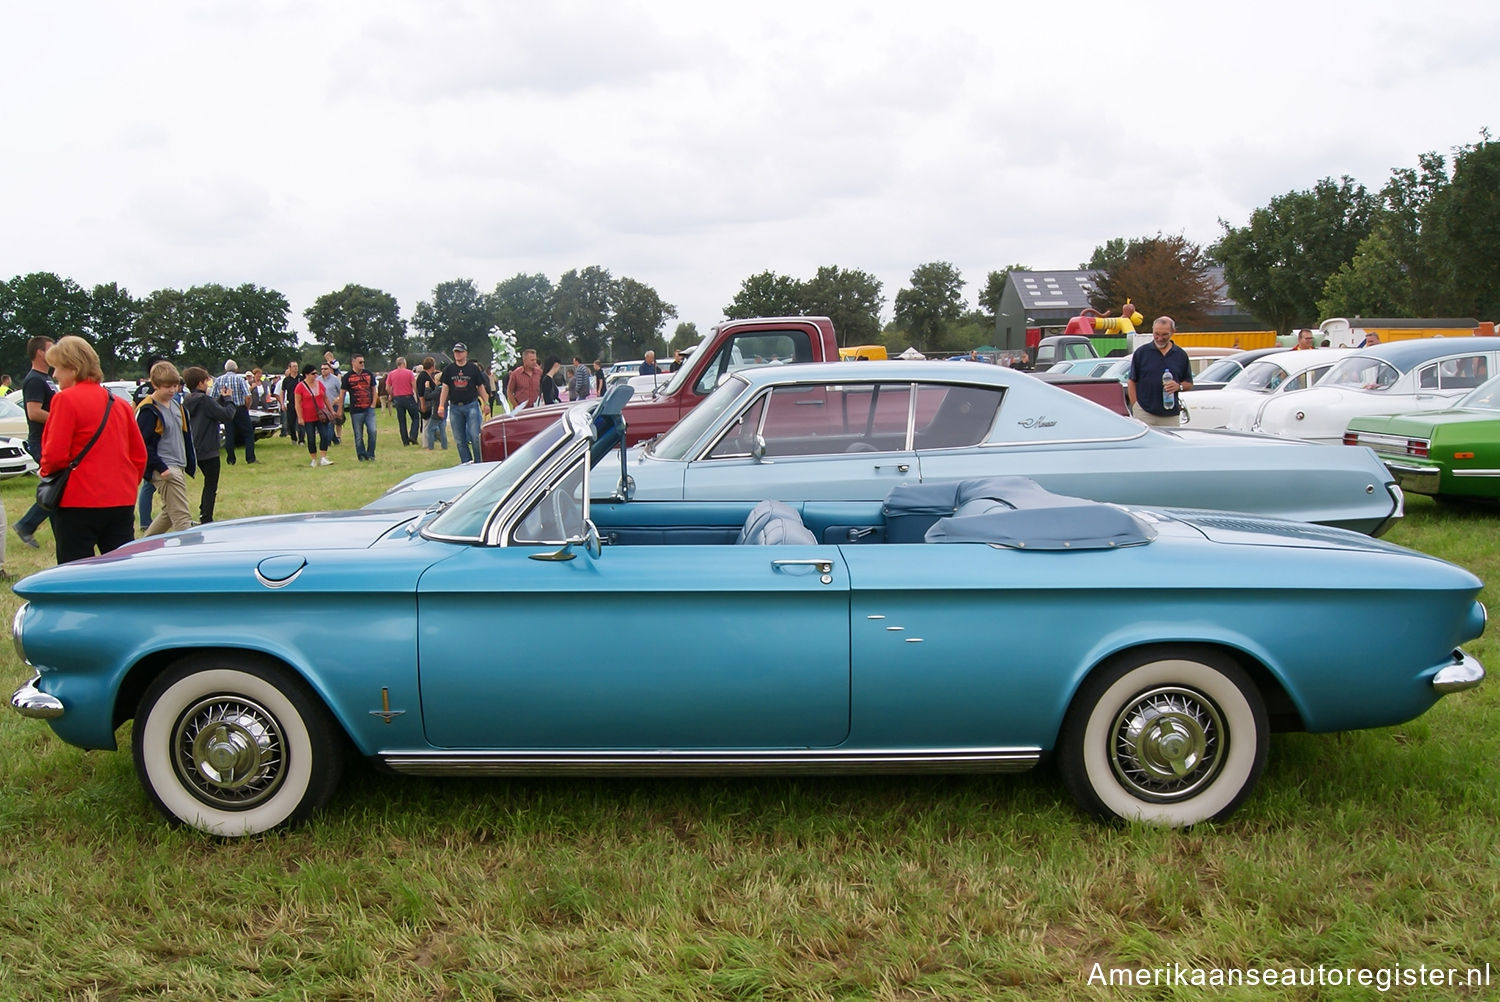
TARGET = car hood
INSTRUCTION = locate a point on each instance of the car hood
(223, 544)
(1237, 528)
(1423, 423)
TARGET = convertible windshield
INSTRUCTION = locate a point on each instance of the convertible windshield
(1486, 396)
(465, 518)
(676, 442)
(1362, 373)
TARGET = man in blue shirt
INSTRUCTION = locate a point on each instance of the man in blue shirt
(240, 430)
(1157, 369)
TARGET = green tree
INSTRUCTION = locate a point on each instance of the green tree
(1461, 231)
(636, 319)
(850, 298)
(686, 336)
(994, 290)
(457, 312)
(246, 323)
(39, 305)
(766, 295)
(113, 312)
(162, 326)
(1110, 254)
(1277, 264)
(522, 304)
(581, 307)
(1373, 284)
(358, 318)
(1160, 275)
(931, 304)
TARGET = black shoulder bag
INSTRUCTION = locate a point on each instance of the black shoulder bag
(50, 491)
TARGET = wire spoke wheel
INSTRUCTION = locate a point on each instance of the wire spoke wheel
(235, 745)
(1169, 736)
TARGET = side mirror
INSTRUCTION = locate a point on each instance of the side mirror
(758, 451)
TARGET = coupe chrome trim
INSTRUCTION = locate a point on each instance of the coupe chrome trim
(29, 701)
(1465, 673)
(1062, 441)
(709, 763)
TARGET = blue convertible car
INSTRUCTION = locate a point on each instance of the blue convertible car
(920, 633)
(838, 432)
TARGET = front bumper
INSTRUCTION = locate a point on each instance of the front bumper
(29, 701)
(1464, 673)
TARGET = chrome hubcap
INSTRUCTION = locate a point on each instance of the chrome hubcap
(229, 752)
(1167, 743)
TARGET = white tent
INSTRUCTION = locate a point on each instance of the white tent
(911, 354)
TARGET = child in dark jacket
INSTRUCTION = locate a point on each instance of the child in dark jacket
(205, 415)
(169, 448)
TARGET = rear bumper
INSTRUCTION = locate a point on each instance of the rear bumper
(1417, 479)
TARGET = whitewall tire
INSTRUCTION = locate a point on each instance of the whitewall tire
(235, 746)
(1167, 736)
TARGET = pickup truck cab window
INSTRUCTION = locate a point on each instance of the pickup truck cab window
(754, 348)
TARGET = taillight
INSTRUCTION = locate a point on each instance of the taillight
(1416, 447)
(1351, 438)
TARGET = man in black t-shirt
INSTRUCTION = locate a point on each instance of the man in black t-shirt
(359, 383)
(464, 389)
(37, 391)
(290, 426)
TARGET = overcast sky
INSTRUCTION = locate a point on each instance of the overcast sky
(306, 145)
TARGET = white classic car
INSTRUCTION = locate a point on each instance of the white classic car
(1262, 380)
(1418, 375)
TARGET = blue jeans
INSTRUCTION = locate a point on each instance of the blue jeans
(30, 522)
(143, 499)
(433, 429)
(364, 425)
(466, 421)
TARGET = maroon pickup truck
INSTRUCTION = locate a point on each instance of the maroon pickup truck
(732, 345)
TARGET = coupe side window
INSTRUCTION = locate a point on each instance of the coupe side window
(823, 420)
(953, 417)
(1462, 373)
(739, 438)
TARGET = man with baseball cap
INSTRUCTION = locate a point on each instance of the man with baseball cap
(465, 388)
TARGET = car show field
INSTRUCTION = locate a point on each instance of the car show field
(787, 886)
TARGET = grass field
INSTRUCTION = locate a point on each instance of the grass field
(1358, 851)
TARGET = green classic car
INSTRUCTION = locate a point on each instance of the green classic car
(1451, 453)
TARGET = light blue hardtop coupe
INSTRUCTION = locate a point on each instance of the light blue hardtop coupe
(840, 432)
(934, 631)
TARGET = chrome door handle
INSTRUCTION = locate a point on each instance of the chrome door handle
(900, 467)
(824, 567)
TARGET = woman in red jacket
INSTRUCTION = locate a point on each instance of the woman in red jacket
(98, 505)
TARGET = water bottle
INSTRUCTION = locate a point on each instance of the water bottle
(1168, 397)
